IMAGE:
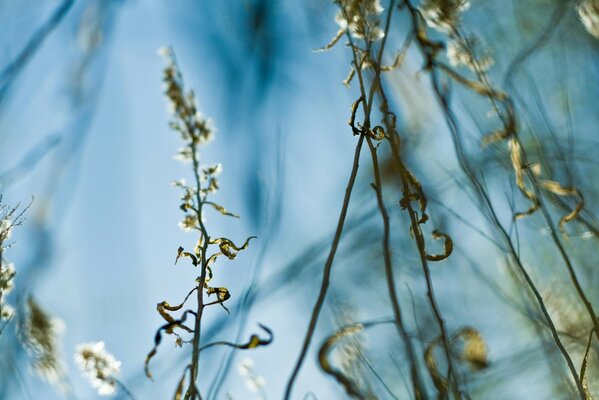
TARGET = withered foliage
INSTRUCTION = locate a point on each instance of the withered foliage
(195, 130)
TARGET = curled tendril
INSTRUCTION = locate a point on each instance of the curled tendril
(352, 119)
(253, 342)
(560, 190)
(474, 349)
(168, 328)
(447, 247)
(164, 306)
(474, 353)
(181, 253)
(422, 201)
(222, 295)
(228, 248)
(350, 387)
(418, 196)
(440, 381)
(377, 133)
(519, 169)
(181, 385)
(323, 354)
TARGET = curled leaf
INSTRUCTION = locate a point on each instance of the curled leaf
(161, 307)
(255, 341)
(518, 166)
(474, 351)
(222, 295)
(181, 385)
(228, 248)
(496, 136)
(221, 209)
(439, 380)
(164, 306)
(169, 327)
(447, 247)
(182, 253)
(560, 190)
(377, 133)
(325, 349)
(323, 359)
(422, 201)
(352, 119)
(212, 259)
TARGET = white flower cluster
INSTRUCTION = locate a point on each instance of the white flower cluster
(7, 274)
(254, 382)
(443, 15)
(361, 17)
(7, 270)
(5, 228)
(588, 11)
(468, 53)
(99, 366)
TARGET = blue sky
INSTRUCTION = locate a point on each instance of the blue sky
(110, 214)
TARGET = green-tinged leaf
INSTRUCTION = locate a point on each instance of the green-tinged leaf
(164, 306)
(161, 307)
(228, 248)
(255, 341)
(221, 209)
(181, 253)
(222, 295)
(212, 259)
(474, 351)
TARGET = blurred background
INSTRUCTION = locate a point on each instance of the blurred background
(84, 132)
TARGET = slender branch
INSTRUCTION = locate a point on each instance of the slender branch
(11, 71)
(416, 380)
(326, 274)
(429, 55)
(192, 391)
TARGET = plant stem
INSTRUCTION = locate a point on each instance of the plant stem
(326, 274)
